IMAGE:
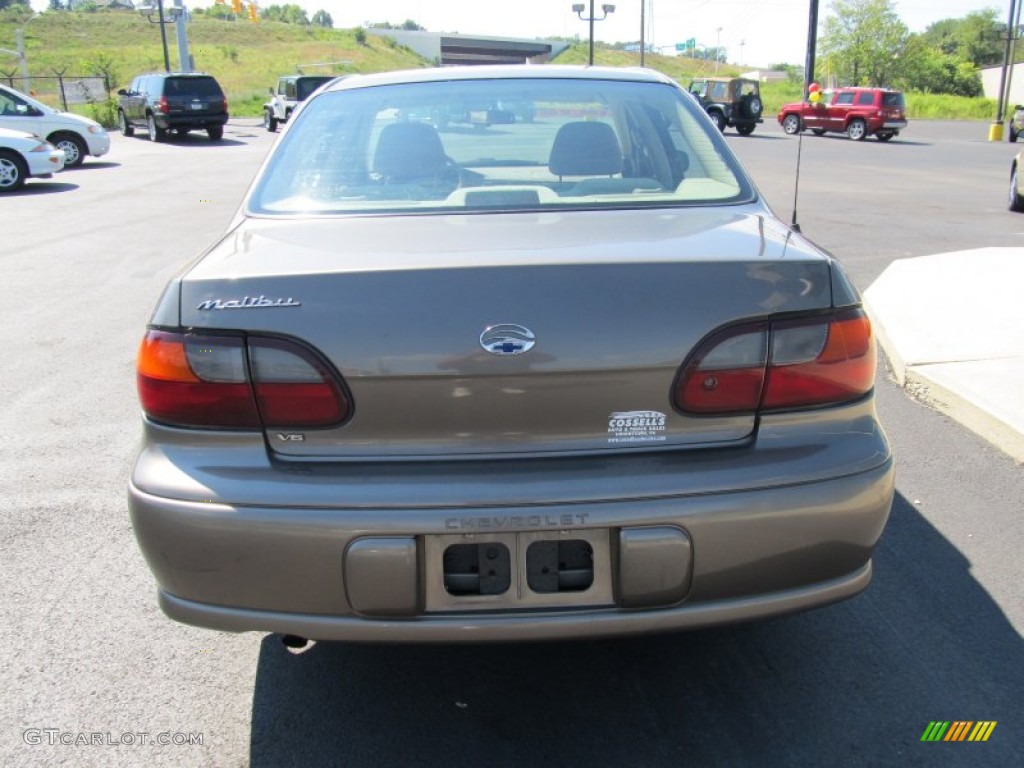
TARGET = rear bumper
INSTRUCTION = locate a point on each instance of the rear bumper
(329, 573)
(186, 120)
(511, 628)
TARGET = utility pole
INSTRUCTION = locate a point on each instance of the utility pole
(19, 36)
(184, 58)
(1014, 30)
(995, 131)
(643, 44)
(163, 34)
(812, 46)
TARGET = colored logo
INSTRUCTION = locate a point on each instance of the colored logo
(507, 339)
(958, 730)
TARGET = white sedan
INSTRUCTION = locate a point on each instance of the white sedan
(23, 155)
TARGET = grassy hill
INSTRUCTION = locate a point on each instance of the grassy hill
(247, 58)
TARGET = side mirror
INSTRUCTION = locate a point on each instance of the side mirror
(270, 91)
(122, 92)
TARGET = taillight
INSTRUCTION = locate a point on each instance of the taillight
(224, 102)
(212, 381)
(781, 365)
(293, 388)
(726, 374)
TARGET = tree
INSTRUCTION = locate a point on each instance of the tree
(287, 14)
(105, 66)
(978, 38)
(408, 25)
(14, 3)
(219, 11)
(322, 19)
(863, 41)
(928, 69)
(794, 73)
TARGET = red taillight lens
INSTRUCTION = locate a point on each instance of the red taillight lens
(783, 365)
(196, 380)
(293, 388)
(726, 374)
(224, 101)
(163, 106)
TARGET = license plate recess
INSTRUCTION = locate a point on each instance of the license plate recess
(484, 571)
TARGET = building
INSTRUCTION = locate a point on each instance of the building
(991, 76)
(765, 75)
(455, 49)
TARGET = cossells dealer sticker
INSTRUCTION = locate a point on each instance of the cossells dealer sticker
(636, 427)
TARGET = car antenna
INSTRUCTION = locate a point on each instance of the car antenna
(794, 225)
(812, 44)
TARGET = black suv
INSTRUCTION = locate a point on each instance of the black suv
(173, 101)
(734, 101)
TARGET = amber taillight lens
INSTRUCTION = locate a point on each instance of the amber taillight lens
(232, 382)
(842, 370)
(780, 365)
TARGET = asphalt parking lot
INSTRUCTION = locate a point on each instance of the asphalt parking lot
(96, 676)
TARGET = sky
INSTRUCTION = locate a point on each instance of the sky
(756, 33)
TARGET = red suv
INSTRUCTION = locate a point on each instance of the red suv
(857, 112)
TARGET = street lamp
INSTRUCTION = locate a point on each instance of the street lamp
(163, 19)
(578, 9)
(19, 54)
(718, 49)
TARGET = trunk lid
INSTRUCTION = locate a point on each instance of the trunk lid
(615, 302)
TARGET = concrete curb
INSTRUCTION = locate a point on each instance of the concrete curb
(952, 326)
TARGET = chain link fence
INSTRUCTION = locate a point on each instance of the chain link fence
(64, 92)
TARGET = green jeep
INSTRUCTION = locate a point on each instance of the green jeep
(730, 101)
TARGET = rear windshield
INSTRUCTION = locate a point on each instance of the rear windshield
(306, 85)
(193, 86)
(498, 145)
(892, 100)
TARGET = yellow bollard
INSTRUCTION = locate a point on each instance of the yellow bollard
(995, 132)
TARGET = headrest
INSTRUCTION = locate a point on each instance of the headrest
(409, 151)
(585, 149)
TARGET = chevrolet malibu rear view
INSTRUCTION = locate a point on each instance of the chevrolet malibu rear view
(564, 377)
